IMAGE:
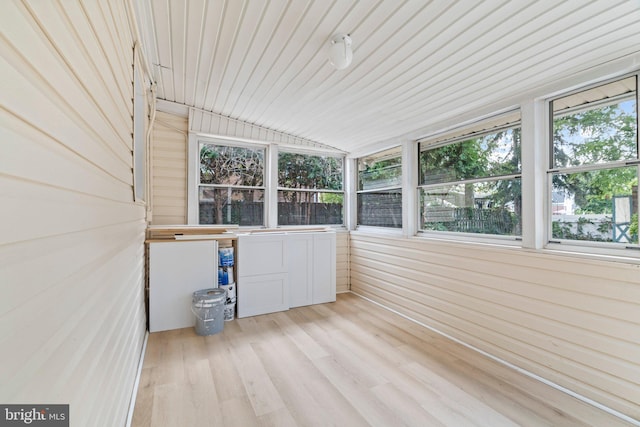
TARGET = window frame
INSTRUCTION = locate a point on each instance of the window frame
(270, 175)
(396, 152)
(193, 179)
(478, 129)
(626, 250)
(278, 188)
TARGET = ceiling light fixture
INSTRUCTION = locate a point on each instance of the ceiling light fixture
(340, 53)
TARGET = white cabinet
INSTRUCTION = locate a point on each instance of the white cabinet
(324, 268)
(277, 271)
(176, 270)
(261, 265)
(262, 294)
(300, 269)
(312, 268)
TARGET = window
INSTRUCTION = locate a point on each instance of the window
(310, 189)
(231, 184)
(471, 183)
(380, 189)
(593, 165)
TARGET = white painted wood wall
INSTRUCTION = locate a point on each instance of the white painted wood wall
(215, 124)
(169, 170)
(72, 319)
(573, 321)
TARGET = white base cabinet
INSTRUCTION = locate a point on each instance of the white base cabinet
(277, 271)
(263, 285)
(324, 268)
(312, 268)
(300, 261)
(176, 270)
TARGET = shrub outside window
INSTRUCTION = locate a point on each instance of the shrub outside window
(231, 185)
(310, 189)
(594, 165)
(471, 183)
(380, 189)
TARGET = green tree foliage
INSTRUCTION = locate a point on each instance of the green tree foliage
(231, 165)
(633, 228)
(490, 156)
(596, 136)
(453, 162)
(302, 171)
(298, 172)
(380, 173)
(508, 190)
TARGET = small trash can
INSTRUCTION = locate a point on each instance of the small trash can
(208, 307)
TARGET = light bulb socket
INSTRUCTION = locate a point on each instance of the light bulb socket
(340, 53)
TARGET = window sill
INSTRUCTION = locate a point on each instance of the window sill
(627, 256)
(387, 231)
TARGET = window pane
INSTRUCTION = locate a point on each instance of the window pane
(226, 165)
(309, 208)
(495, 154)
(600, 130)
(231, 206)
(380, 208)
(297, 170)
(598, 206)
(380, 170)
(489, 208)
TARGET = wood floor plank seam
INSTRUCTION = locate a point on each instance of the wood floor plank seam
(347, 363)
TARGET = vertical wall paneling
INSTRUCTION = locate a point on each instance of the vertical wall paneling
(72, 319)
(572, 321)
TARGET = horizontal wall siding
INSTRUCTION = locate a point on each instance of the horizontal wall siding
(342, 261)
(72, 319)
(169, 170)
(573, 321)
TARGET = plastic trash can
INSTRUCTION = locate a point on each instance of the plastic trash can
(208, 307)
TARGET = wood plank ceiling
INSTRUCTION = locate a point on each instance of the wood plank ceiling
(416, 62)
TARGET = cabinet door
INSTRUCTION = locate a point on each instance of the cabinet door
(176, 270)
(262, 274)
(324, 267)
(300, 261)
(261, 254)
(261, 294)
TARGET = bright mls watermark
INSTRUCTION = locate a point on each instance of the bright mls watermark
(34, 415)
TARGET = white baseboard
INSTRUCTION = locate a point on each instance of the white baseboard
(571, 393)
(136, 384)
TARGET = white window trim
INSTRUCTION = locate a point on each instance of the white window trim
(610, 250)
(534, 128)
(193, 171)
(277, 188)
(516, 241)
(401, 187)
(271, 176)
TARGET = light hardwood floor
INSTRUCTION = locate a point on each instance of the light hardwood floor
(348, 363)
